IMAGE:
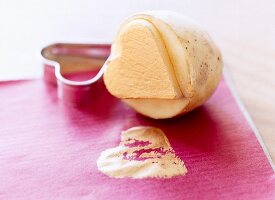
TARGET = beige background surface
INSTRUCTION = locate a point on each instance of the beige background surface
(245, 31)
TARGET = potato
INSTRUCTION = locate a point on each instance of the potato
(163, 64)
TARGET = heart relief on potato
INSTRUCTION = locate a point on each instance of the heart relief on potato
(163, 64)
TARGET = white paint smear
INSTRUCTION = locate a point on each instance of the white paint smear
(144, 152)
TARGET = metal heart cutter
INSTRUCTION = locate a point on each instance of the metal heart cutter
(75, 69)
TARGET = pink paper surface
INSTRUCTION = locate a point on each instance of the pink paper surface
(48, 150)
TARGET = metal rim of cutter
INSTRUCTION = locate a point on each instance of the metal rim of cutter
(66, 58)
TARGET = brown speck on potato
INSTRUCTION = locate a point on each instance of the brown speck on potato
(203, 73)
(218, 58)
(186, 48)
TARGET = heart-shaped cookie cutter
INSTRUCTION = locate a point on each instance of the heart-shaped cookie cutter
(63, 59)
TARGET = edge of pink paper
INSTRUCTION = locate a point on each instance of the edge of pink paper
(233, 90)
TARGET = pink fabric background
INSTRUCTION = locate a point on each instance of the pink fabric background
(48, 150)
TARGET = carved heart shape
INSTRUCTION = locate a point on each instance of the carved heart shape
(143, 152)
(140, 67)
